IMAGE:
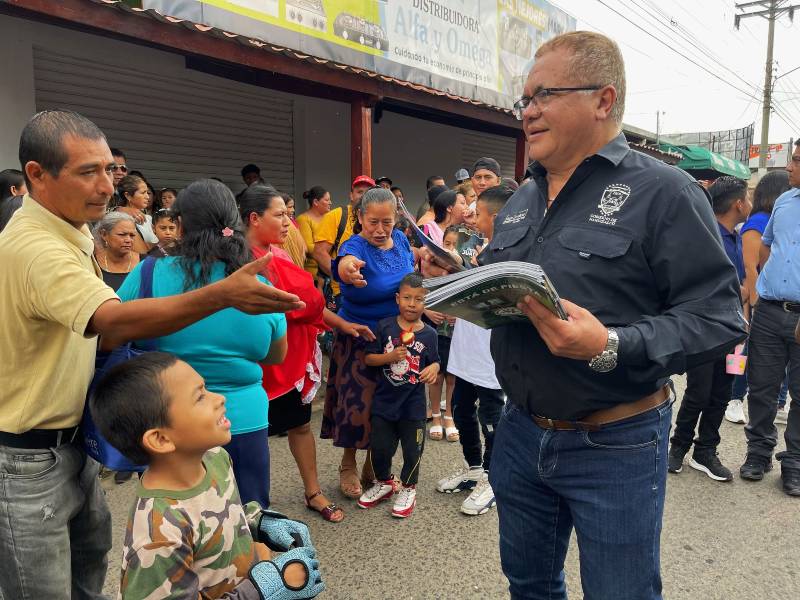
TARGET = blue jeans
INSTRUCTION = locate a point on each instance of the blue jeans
(608, 484)
(55, 527)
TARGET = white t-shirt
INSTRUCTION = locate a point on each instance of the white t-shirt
(146, 229)
(470, 355)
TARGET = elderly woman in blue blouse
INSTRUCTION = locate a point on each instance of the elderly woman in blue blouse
(369, 267)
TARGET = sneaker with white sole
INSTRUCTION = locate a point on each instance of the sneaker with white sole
(405, 502)
(481, 499)
(464, 479)
(709, 463)
(735, 412)
(377, 493)
(782, 416)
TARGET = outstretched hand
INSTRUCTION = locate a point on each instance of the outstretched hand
(244, 291)
(350, 272)
(581, 337)
(357, 330)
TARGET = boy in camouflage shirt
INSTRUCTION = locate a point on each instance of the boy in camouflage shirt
(188, 535)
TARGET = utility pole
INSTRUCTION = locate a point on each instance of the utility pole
(658, 126)
(770, 10)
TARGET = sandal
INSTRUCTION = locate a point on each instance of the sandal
(349, 483)
(451, 433)
(435, 432)
(328, 511)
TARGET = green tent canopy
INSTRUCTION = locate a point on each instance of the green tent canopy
(704, 164)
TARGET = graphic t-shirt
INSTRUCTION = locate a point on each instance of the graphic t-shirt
(399, 394)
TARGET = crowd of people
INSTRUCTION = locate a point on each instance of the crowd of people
(239, 295)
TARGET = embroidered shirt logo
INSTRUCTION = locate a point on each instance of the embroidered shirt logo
(515, 218)
(614, 196)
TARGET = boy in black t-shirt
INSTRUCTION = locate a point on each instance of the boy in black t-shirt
(405, 349)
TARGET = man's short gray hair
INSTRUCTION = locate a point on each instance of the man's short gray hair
(596, 60)
(107, 224)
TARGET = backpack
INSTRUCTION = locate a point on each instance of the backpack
(94, 443)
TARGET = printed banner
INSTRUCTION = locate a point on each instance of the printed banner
(480, 49)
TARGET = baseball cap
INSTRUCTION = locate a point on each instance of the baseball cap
(379, 179)
(462, 174)
(363, 179)
(487, 163)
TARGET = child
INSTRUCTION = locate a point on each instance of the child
(166, 230)
(444, 332)
(168, 197)
(188, 535)
(405, 348)
(478, 398)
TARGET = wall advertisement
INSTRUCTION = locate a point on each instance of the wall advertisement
(480, 49)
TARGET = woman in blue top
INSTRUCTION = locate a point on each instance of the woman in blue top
(227, 347)
(369, 267)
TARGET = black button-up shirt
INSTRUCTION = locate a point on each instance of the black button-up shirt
(635, 242)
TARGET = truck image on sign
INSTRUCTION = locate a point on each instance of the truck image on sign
(307, 13)
(357, 29)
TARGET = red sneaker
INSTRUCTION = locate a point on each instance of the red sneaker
(377, 493)
(405, 502)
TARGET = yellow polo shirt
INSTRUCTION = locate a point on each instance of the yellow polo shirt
(50, 287)
(326, 232)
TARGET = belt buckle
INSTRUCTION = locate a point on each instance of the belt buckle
(550, 423)
(785, 306)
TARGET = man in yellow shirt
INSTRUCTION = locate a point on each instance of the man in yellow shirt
(55, 527)
(336, 227)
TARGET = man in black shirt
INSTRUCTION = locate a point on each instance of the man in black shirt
(633, 247)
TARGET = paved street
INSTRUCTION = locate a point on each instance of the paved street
(720, 542)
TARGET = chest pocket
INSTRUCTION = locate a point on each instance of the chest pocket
(587, 244)
(515, 243)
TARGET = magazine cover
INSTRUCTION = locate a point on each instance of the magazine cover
(440, 256)
(488, 295)
(468, 243)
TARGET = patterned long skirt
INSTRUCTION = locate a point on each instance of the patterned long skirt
(348, 395)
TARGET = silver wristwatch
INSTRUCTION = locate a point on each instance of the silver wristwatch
(607, 359)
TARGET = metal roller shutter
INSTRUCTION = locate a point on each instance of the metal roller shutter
(175, 128)
(476, 144)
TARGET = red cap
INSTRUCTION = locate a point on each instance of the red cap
(361, 179)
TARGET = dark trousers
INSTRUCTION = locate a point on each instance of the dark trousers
(708, 390)
(772, 347)
(250, 458)
(476, 409)
(384, 440)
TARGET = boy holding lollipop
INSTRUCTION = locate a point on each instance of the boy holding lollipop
(405, 350)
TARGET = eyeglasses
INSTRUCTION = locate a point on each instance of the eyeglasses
(121, 168)
(544, 95)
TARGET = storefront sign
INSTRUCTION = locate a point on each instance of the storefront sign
(480, 49)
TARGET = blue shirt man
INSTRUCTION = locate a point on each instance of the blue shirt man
(780, 277)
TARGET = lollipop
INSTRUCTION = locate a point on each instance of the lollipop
(407, 338)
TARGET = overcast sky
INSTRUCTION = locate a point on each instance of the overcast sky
(691, 97)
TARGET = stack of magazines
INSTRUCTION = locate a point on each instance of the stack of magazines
(488, 295)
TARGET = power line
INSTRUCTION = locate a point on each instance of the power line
(704, 50)
(660, 41)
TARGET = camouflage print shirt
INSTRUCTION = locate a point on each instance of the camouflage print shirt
(196, 543)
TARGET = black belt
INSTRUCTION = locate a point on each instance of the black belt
(38, 438)
(792, 307)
